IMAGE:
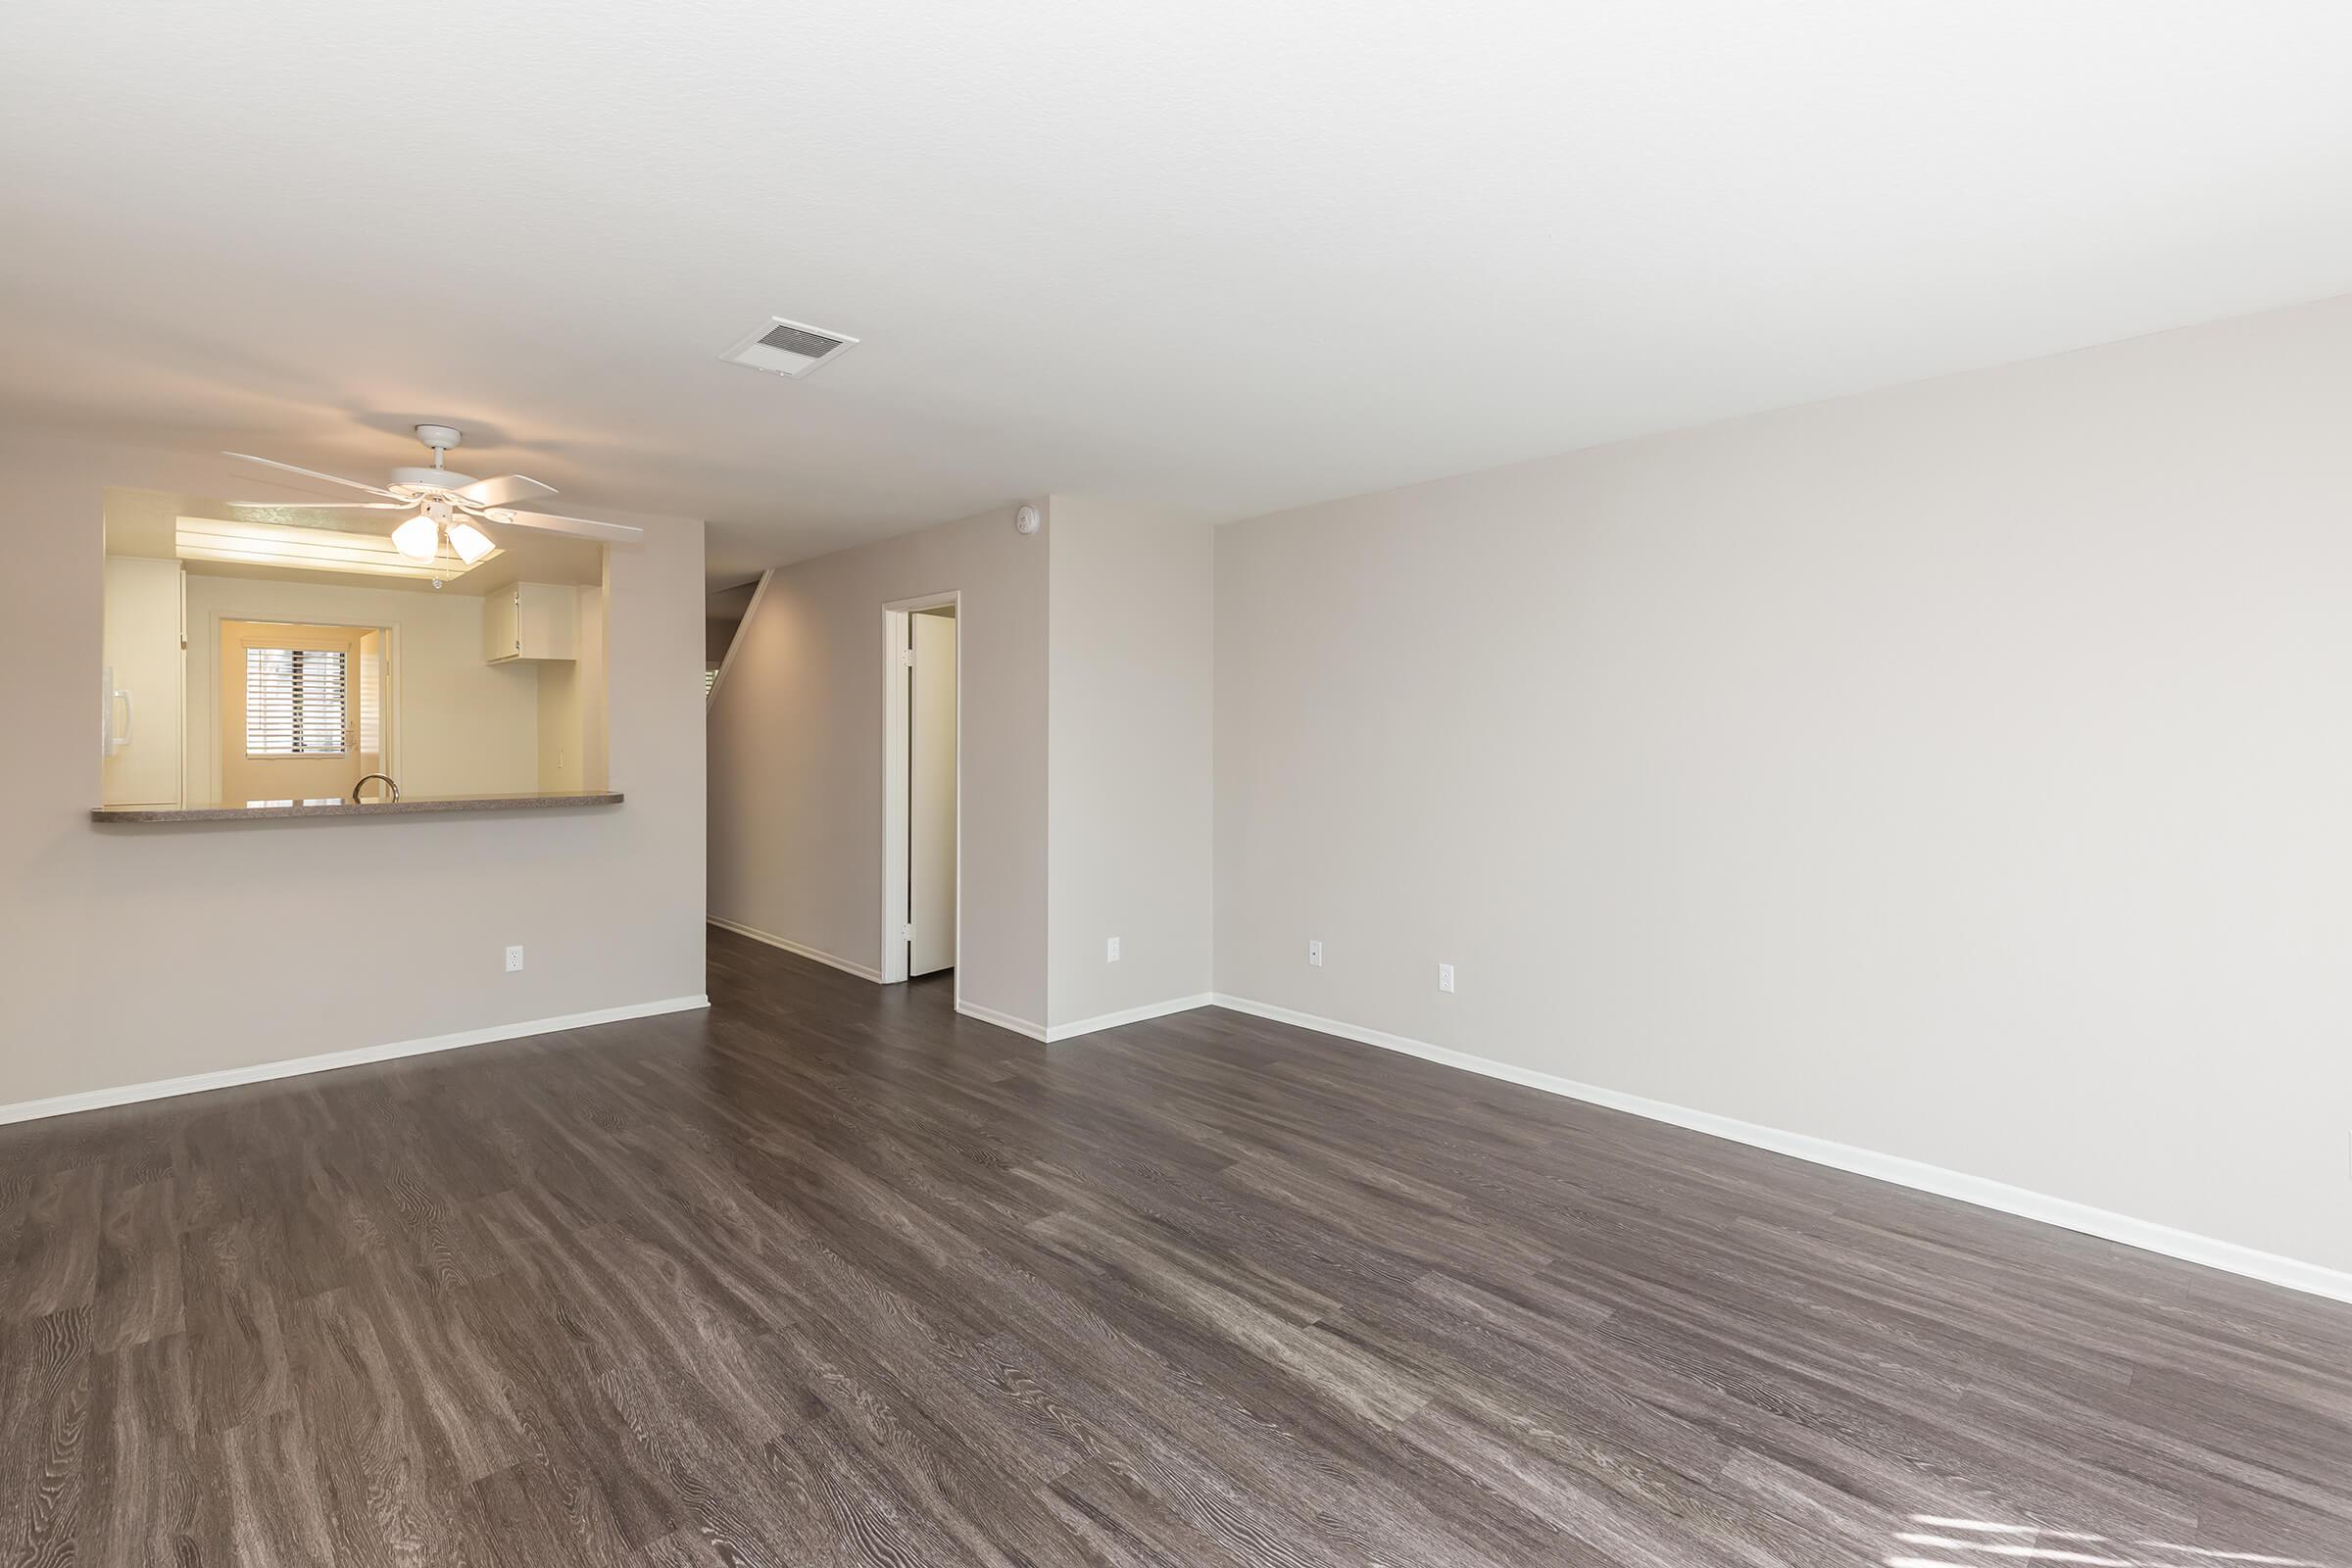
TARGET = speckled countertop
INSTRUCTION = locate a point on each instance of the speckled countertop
(273, 810)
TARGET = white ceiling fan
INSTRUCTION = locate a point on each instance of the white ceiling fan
(449, 504)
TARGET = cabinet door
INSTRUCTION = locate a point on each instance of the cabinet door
(500, 639)
(548, 620)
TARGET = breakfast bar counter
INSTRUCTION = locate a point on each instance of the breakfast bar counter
(415, 805)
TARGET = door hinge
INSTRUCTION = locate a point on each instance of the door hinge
(906, 933)
(907, 658)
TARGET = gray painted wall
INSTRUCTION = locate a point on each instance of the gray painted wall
(1962, 771)
(1131, 692)
(129, 949)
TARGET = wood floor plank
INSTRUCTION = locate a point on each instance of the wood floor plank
(833, 1275)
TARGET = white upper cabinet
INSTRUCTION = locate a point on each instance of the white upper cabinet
(531, 621)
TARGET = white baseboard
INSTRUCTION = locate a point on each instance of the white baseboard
(295, 1067)
(2146, 1235)
(1084, 1026)
(1111, 1020)
(1003, 1020)
(845, 965)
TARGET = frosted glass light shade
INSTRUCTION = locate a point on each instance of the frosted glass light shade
(417, 538)
(469, 542)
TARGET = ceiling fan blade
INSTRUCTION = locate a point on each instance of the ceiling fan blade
(619, 534)
(313, 473)
(322, 506)
(505, 488)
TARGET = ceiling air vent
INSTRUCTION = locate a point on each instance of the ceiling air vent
(788, 348)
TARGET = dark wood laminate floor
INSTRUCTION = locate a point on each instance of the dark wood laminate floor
(830, 1276)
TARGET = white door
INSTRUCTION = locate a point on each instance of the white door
(931, 794)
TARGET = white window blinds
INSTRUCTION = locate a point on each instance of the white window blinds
(295, 701)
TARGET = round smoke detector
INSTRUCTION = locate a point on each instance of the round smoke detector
(1025, 520)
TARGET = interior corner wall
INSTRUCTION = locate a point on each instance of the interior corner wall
(128, 948)
(1957, 771)
(556, 762)
(796, 755)
(1129, 836)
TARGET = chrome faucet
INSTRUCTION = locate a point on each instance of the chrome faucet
(363, 784)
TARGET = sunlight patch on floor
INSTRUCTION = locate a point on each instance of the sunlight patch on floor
(1973, 1542)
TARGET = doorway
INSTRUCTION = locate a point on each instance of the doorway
(302, 709)
(923, 786)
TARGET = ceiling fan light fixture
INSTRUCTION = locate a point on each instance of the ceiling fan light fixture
(448, 500)
(469, 542)
(418, 538)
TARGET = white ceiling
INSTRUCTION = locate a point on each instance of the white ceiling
(1227, 256)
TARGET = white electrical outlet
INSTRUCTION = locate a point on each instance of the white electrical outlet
(1445, 977)
(1111, 951)
(1314, 955)
(514, 959)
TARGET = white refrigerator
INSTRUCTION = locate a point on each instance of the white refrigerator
(144, 682)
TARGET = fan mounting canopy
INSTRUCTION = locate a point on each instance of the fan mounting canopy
(429, 478)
